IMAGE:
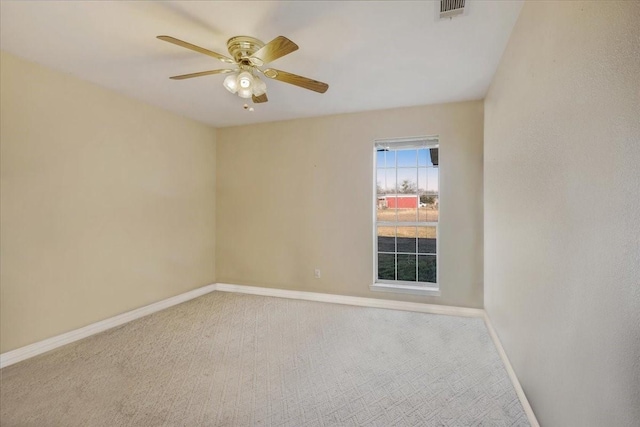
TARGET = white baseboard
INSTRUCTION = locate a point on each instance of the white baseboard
(512, 374)
(22, 353)
(359, 301)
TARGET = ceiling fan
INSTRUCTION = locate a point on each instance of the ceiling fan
(249, 54)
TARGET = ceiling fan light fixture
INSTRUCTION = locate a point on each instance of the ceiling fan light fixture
(245, 80)
(244, 92)
(259, 87)
(231, 83)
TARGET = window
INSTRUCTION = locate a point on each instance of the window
(406, 215)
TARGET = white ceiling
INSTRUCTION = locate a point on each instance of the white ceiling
(373, 55)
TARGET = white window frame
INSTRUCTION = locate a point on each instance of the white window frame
(398, 286)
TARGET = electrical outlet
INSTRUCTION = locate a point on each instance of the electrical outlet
(316, 273)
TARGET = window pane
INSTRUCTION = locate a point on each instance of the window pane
(386, 267)
(386, 239)
(432, 179)
(383, 211)
(422, 179)
(407, 158)
(428, 179)
(408, 181)
(385, 178)
(427, 268)
(407, 214)
(380, 159)
(390, 181)
(427, 240)
(407, 239)
(390, 157)
(424, 157)
(381, 180)
(428, 211)
(407, 267)
(407, 198)
(381, 208)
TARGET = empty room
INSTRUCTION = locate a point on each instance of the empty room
(320, 213)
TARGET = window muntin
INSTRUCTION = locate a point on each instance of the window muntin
(407, 211)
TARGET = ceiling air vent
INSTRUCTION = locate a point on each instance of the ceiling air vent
(451, 8)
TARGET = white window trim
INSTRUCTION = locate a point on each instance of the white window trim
(405, 288)
(397, 286)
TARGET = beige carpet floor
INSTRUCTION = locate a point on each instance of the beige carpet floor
(238, 360)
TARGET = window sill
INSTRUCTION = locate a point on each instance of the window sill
(405, 289)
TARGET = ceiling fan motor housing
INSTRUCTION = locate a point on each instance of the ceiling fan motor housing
(242, 48)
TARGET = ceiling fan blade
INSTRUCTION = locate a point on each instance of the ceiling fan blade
(196, 48)
(276, 48)
(294, 79)
(201, 73)
(260, 99)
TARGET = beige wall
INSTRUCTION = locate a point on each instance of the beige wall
(297, 195)
(107, 204)
(562, 210)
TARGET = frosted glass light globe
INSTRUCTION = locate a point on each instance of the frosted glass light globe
(245, 79)
(259, 87)
(231, 83)
(244, 92)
